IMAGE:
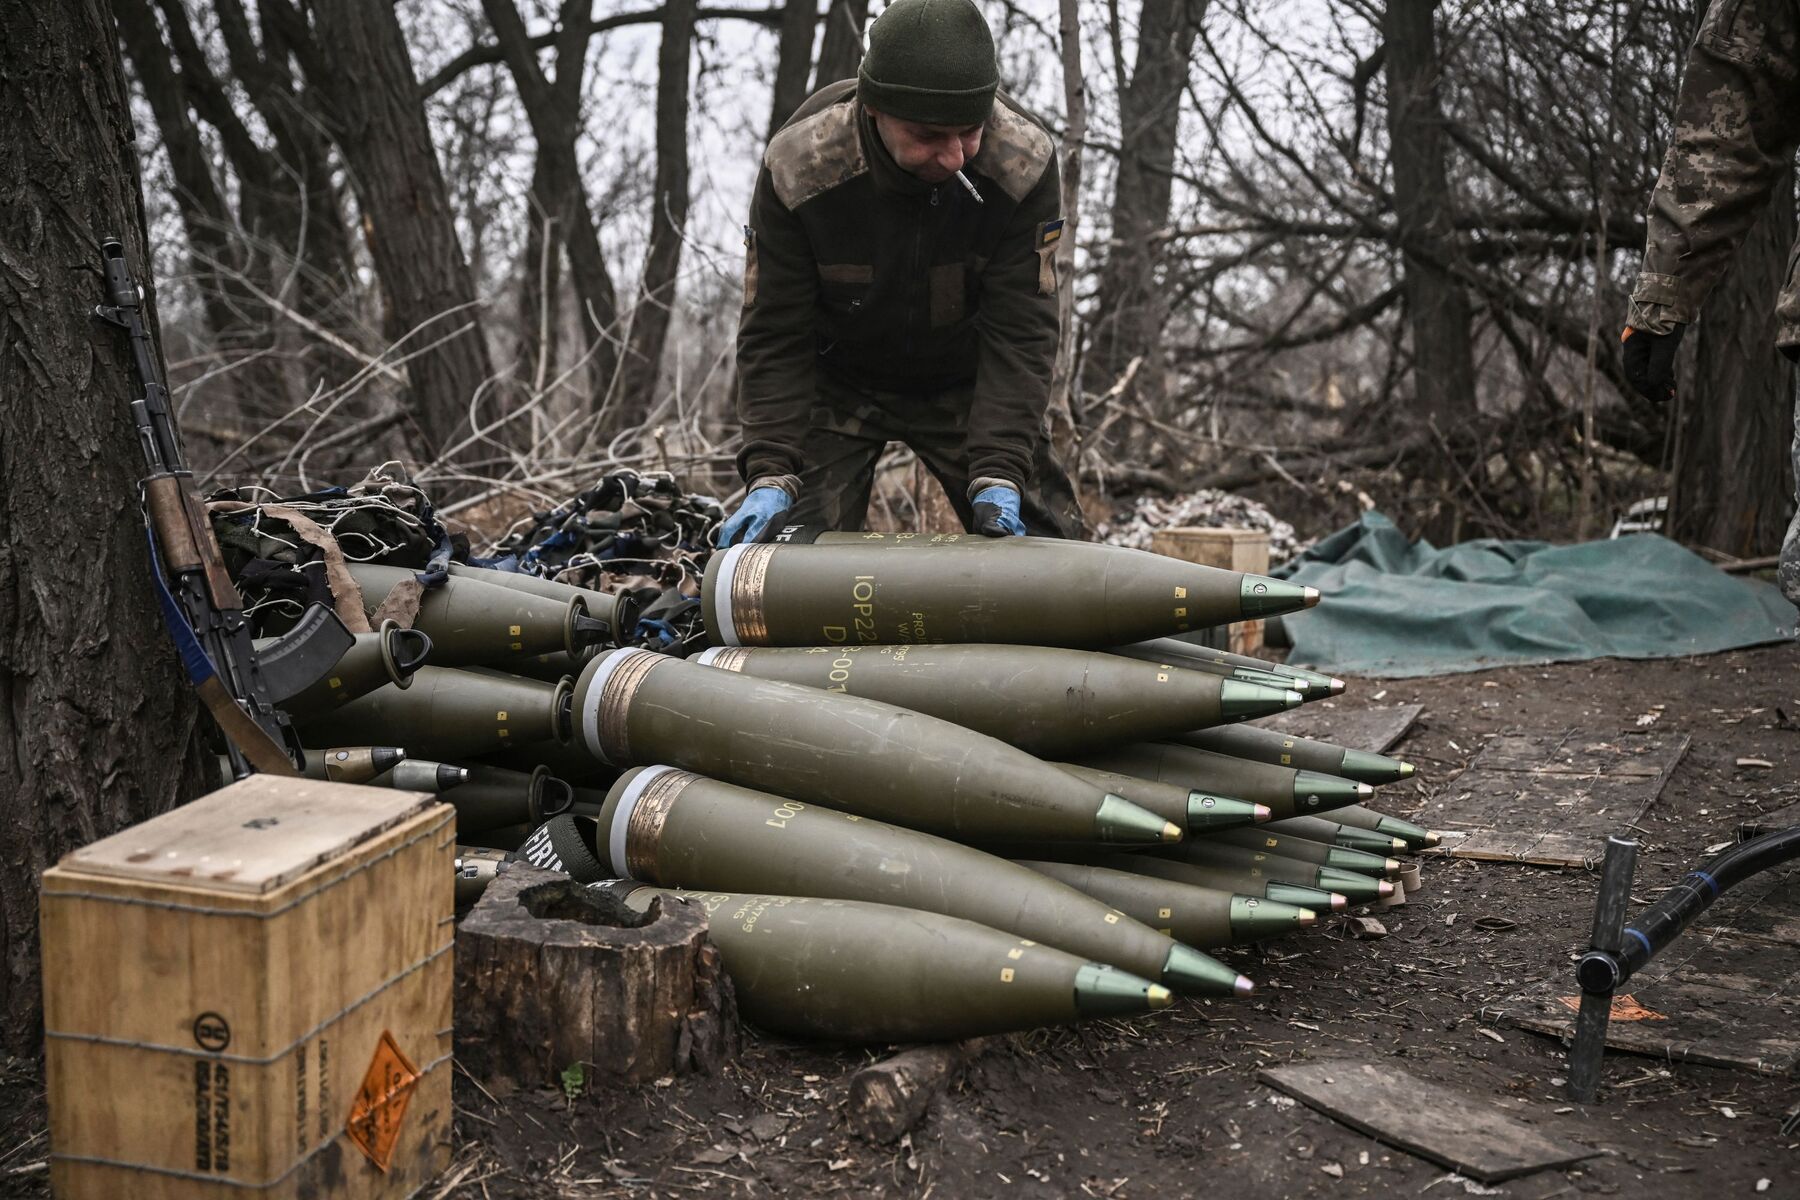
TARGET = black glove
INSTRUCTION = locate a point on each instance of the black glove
(1650, 361)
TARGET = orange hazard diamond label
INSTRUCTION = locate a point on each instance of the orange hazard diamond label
(1624, 1008)
(381, 1101)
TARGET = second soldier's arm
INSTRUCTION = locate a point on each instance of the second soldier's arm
(1017, 326)
(776, 344)
(1737, 122)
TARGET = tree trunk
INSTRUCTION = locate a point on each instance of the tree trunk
(286, 195)
(96, 724)
(540, 270)
(1437, 307)
(793, 60)
(840, 51)
(204, 217)
(1063, 433)
(241, 323)
(1733, 488)
(557, 213)
(362, 82)
(642, 363)
(1132, 305)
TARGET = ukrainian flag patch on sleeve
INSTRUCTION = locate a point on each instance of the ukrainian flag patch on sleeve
(1049, 232)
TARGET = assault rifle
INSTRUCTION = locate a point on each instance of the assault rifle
(239, 685)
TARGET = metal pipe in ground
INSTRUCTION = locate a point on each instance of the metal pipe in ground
(1588, 1049)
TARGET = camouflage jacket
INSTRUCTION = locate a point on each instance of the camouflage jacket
(1737, 123)
(857, 267)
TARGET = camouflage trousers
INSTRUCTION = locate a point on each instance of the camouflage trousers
(1788, 573)
(852, 426)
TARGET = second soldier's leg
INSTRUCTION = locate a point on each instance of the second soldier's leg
(940, 437)
(839, 455)
(1787, 574)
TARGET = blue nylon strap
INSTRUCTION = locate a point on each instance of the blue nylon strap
(193, 655)
(1710, 881)
(1642, 940)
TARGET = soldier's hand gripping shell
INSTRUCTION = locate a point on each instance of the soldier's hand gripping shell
(756, 516)
(997, 512)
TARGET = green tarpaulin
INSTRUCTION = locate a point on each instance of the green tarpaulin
(1398, 608)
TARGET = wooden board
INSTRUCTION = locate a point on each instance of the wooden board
(1474, 1138)
(1769, 822)
(254, 836)
(1229, 550)
(1725, 993)
(1552, 798)
(1354, 725)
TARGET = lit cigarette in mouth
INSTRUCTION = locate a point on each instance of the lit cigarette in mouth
(964, 180)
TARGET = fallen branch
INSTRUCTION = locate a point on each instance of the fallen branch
(889, 1098)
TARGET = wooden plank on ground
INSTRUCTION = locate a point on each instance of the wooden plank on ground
(1356, 726)
(1469, 1136)
(1551, 798)
(1726, 993)
(1708, 1037)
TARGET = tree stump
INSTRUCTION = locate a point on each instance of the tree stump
(550, 974)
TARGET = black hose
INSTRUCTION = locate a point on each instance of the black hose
(1659, 924)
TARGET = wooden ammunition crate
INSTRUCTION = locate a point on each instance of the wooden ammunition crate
(250, 997)
(1229, 550)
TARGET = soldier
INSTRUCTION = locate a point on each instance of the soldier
(900, 285)
(1737, 123)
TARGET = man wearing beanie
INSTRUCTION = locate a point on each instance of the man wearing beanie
(900, 285)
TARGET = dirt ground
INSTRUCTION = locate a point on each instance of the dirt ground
(1170, 1105)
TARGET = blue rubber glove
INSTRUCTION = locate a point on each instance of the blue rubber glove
(997, 512)
(754, 517)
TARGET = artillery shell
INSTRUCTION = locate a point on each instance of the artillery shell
(850, 971)
(473, 623)
(350, 764)
(1196, 916)
(1193, 811)
(450, 714)
(1284, 790)
(636, 707)
(674, 828)
(389, 655)
(1270, 746)
(862, 591)
(1038, 698)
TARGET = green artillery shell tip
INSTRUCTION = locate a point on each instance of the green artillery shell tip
(1207, 811)
(1239, 700)
(1373, 768)
(1406, 770)
(1261, 596)
(1119, 820)
(1188, 971)
(1105, 991)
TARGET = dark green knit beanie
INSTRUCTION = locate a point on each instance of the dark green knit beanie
(930, 61)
